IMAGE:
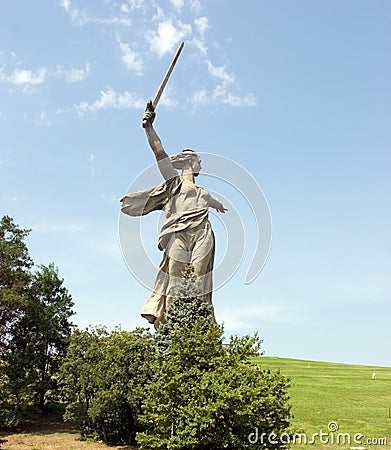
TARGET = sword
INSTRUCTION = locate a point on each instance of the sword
(151, 105)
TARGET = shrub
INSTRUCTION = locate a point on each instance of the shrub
(103, 380)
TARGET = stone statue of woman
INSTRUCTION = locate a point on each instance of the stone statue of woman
(186, 236)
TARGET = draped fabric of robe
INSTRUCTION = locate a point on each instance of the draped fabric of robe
(185, 237)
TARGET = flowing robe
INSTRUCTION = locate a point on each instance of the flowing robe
(186, 237)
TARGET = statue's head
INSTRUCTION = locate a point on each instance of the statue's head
(188, 158)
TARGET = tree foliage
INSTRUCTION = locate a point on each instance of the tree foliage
(15, 277)
(48, 321)
(186, 307)
(206, 395)
(104, 377)
(35, 311)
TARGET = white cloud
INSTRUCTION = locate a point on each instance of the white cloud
(166, 31)
(66, 4)
(195, 5)
(236, 100)
(124, 8)
(25, 76)
(200, 45)
(29, 78)
(163, 40)
(200, 97)
(221, 93)
(202, 24)
(177, 4)
(43, 119)
(220, 73)
(159, 14)
(81, 17)
(111, 99)
(136, 4)
(131, 59)
(74, 75)
(116, 20)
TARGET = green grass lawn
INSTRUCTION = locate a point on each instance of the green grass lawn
(345, 394)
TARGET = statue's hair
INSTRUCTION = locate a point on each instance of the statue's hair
(181, 159)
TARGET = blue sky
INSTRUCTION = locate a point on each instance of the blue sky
(296, 93)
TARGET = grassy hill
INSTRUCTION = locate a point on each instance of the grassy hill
(346, 395)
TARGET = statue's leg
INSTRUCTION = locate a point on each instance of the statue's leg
(202, 259)
(179, 255)
(203, 268)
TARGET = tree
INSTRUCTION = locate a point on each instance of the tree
(186, 307)
(104, 377)
(48, 321)
(206, 395)
(79, 376)
(15, 278)
(35, 309)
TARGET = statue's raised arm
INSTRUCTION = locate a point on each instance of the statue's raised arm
(165, 165)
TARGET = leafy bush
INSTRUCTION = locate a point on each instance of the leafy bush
(103, 378)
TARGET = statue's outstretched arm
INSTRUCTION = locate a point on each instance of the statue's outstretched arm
(216, 204)
(164, 163)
